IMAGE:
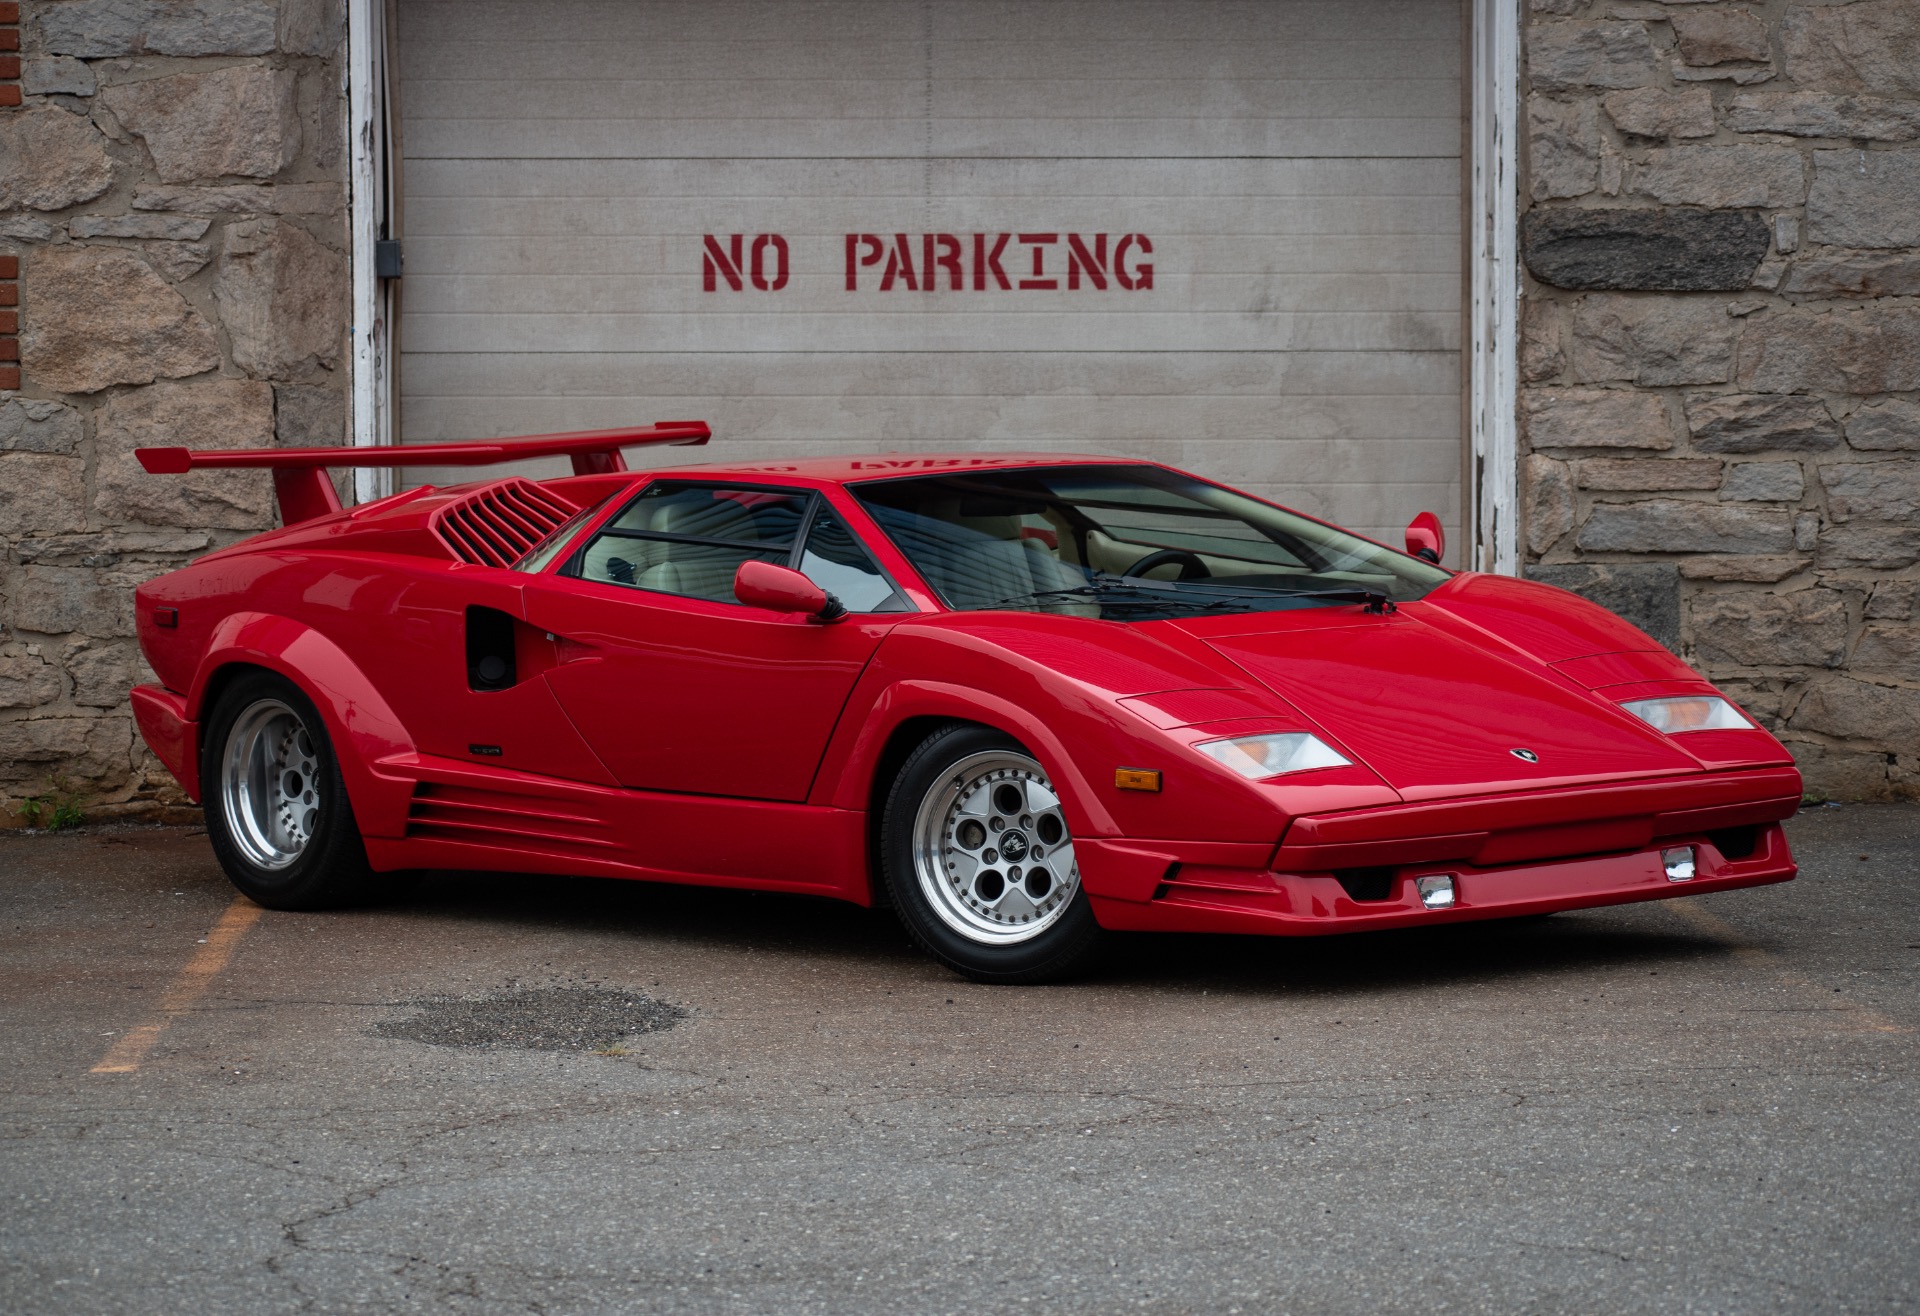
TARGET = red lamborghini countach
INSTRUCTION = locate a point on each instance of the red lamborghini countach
(1021, 699)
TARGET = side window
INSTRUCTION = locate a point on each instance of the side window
(689, 539)
(838, 563)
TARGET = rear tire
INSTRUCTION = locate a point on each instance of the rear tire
(278, 816)
(978, 859)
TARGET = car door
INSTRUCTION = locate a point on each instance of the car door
(678, 686)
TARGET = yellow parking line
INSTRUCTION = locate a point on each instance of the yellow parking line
(183, 991)
(1863, 1019)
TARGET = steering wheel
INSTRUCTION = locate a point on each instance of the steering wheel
(1191, 567)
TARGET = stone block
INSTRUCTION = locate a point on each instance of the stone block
(1644, 249)
(245, 199)
(1652, 342)
(1722, 177)
(238, 120)
(1855, 274)
(1664, 525)
(312, 27)
(56, 75)
(1542, 355)
(1837, 773)
(109, 548)
(1820, 114)
(1871, 350)
(50, 159)
(1642, 474)
(1889, 426)
(1594, 418)
(27, 425)
(1806, 532)
(94, 751)
(1645, 593)
(1871, 46)
(1563, 147)
(1568, 56)
(1764, 482)
(1865, 198)
(1892, 600)
(1762, 570)
(1720, 36)
(1546, 501)
(100, 29)
(66, 600)
(1884, 717)
(27, 228)
(1749, 628)
(104, 672)
(1873, 491)
(282, 296)
(1888, 648)
(179, 260)
(29, 681)
(1650, 112)
(206, 413)
(305, 417)
(101, 316)
(1786, 234)
(1760, 422)
(42, 493)
(1873, 547)
(178, 228)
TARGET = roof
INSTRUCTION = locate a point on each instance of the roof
(873, 466)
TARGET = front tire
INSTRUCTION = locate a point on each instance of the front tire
(278, 816)
(978, 859)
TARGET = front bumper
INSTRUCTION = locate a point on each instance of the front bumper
(1529, 853)
(1209, 899)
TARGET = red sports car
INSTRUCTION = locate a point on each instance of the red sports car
(1023, 699)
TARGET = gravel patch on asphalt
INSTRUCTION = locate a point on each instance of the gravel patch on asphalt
(536, 1019)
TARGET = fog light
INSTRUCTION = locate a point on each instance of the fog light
(1678, 862)
(1436, 890)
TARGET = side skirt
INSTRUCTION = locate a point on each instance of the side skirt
(463, 815)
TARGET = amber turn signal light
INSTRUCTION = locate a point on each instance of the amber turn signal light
(1136, 779)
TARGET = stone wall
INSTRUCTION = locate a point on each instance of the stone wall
(173, 186)
(1720, 362)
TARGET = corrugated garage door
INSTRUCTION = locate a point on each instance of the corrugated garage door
(1222, 235)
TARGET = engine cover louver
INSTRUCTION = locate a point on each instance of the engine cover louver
(497, 526)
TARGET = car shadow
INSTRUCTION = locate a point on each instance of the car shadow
(1619, 939)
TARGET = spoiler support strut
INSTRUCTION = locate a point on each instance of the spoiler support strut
(304, 492)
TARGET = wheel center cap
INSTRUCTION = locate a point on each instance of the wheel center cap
(1013, 845)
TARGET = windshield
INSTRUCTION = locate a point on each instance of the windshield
(1127, 543)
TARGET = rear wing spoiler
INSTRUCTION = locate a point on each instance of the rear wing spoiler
(300, 474)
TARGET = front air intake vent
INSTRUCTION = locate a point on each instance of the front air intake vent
(498, 525)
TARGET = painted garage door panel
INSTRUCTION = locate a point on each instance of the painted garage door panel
(1294, 165)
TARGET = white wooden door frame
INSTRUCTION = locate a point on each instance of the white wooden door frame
(371, 306)
(1493, 291)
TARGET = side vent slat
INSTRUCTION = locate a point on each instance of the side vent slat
(497, 525)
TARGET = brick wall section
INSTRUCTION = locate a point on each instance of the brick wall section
(1721, 351)
(9, 54)
(172, 199)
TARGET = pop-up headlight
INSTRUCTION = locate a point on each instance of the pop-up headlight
(1688, 713)
(1273, 754)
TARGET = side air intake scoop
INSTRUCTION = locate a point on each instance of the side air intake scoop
(299, 474)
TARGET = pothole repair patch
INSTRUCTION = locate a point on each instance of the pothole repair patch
(536, 1019)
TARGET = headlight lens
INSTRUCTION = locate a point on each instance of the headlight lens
(1688, 713)
(1271, 755)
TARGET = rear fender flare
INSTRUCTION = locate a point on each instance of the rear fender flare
(363, 728)
(905, 700)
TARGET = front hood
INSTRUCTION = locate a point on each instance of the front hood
(1435, 711)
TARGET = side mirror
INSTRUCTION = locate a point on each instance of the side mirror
(1425, 538)
(782, 589)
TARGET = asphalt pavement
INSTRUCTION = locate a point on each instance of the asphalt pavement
(555, 1095)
